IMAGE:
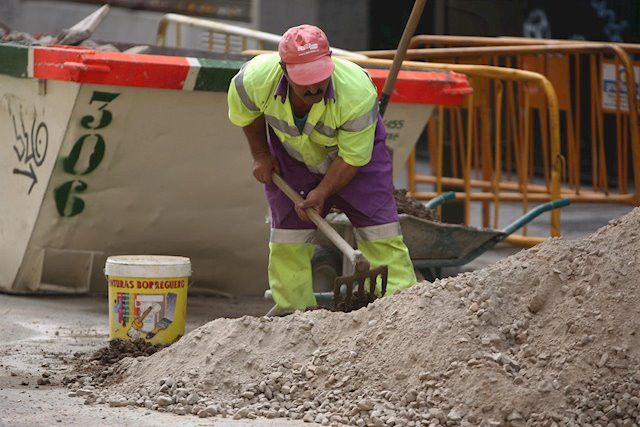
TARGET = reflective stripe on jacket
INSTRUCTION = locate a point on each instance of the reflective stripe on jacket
(343, 125)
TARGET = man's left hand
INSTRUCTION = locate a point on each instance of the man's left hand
(314, 200)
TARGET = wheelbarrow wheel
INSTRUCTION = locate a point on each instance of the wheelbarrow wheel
(326, 265)
(431, 273)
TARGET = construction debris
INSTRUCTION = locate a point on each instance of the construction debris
(83, 29)
(545, 337)
(410, 206)
(78, 35)
(118, 349)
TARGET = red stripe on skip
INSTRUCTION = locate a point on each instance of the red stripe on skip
(424, 87)
(110, 68)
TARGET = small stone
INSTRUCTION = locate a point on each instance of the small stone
(193, 398)
(514, 415)
(163, 400)
(180, 410)
(242, 413)
(117, 403)
(537, 302)
(275, 375)
(271, 413)
(603, 360)
(211, 410)
(453, 415)
(365, 405)
(545, 387)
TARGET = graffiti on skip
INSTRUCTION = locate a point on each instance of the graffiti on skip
(92, 145)
(31, 143)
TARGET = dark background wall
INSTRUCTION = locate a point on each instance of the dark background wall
(598, 20)
(345, 22)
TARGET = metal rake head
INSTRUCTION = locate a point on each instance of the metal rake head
(359, 297)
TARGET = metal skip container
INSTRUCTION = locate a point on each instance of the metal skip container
(105, 153)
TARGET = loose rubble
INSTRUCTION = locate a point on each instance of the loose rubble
(547, 337)
(46, 40)
(118, 349)
(410, 206)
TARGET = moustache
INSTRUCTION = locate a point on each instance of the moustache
(318, 92)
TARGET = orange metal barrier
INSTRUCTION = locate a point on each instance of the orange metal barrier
(515, 115)
(486, 188)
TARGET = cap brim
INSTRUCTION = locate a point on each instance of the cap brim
(311, 72)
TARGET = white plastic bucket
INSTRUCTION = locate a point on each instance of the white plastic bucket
(147, 297)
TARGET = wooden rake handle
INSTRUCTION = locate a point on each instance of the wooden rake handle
(357, 259)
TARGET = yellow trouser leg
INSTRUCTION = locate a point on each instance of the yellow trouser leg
(393, 253)
(290, 275)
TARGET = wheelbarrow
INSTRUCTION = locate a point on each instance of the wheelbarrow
(434, 245)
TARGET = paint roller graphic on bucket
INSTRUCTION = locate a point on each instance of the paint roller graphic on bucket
(165, 321)
(136, 325)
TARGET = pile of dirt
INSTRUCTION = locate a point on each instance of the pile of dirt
(549, 336)
(410, 206)
(118, 349)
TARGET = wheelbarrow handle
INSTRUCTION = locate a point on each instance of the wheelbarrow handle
(532, 214)
(449, 195)
(357, 258)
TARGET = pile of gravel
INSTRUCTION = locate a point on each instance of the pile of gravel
(549, 336)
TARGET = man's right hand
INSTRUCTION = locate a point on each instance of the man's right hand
(263, 166)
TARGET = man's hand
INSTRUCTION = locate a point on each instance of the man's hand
(314, 200)
(263, 166)
(339, 174)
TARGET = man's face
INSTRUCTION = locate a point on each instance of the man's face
(310, 94)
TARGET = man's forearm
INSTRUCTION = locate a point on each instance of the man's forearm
(256, 134)
(340, 173)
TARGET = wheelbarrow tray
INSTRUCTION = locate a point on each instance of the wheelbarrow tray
(434, 244)
(431, 240)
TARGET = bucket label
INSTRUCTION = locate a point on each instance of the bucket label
(152, 309)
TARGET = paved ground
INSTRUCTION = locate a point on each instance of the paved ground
(42, 335)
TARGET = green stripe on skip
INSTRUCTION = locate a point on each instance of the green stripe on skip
(14, 60)
(215, 75)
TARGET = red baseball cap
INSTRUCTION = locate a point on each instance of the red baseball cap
(305, 51)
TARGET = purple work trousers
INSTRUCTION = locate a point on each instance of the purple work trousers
(367, 200)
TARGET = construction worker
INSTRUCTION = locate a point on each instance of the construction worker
(314, 120)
